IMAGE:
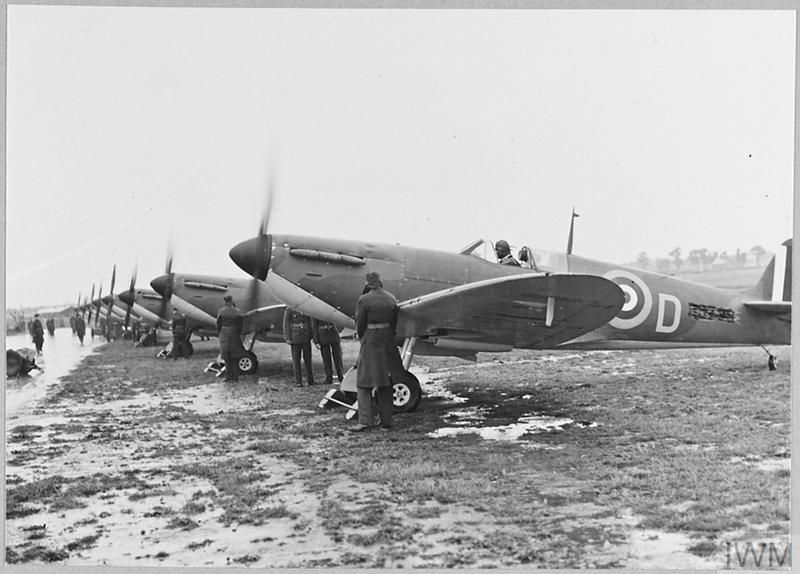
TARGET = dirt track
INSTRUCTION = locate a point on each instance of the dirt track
(649, 459)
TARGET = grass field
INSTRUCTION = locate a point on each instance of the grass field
(628, 459)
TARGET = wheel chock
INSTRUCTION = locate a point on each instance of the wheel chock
(215, 367)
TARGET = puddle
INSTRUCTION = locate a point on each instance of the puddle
(61, 354)
(529, 424)
(465, 417)
(641, 549)
(657, 549)
(775, 464)
(767, 465)
(469, 420)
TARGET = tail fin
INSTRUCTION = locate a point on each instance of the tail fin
(775, 283)
(762, 291)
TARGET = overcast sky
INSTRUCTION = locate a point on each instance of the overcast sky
(428, 128)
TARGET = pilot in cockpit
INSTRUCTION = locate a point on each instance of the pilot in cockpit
(503, 252)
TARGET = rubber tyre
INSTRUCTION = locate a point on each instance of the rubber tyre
(248, 363)
(407, 394)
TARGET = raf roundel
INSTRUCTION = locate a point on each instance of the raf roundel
(638, 299)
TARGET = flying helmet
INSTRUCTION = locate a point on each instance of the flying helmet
(501, 248)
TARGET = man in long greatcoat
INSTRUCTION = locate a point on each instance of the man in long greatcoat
(37, 332)
(326, 337)
(229, 330)
(80, 327)
(297, 332)
(378, 358)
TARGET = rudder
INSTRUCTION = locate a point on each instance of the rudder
(787, 275)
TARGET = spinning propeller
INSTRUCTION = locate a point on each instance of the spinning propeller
(163, 285)
(131, 295)
(111, 299)
(168, 286)
(254, 255)
(91, 302)
(99, 305)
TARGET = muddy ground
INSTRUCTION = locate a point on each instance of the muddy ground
(537, 459)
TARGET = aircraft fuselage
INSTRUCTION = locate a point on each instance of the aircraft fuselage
(659, 310)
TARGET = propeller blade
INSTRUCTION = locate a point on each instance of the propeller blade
(91, 300)
(167, 294)
(130, 298)
(262, 267)
(252, 295)
(111, 300)
(263, 228)
(99, 305)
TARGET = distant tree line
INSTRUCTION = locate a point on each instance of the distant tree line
(703, 259)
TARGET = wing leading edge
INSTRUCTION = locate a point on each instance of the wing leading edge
(524, 311)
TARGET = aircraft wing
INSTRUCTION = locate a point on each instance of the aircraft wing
(524, 311)
(774, 307)
(266, 318)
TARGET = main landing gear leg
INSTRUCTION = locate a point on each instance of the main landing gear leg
(407, 353)
(248, 364)
(407, 392)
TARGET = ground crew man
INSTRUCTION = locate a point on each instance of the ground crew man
(326, 337)
(51, 326)
(37, 332)
(80, 327)
(229, 330)
(179, 335)
(378, 357)
(297, 332)
(503, 252)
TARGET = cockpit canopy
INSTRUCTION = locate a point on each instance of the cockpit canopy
(546, 261)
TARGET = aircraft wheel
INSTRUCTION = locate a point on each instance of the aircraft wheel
(248, 363)
(407, 394)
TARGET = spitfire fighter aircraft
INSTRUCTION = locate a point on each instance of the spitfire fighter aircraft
(200, 297)
(464, 303)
